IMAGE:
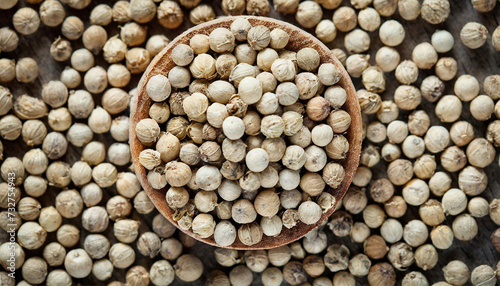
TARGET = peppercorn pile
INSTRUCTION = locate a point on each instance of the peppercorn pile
(422, 206)
(265, 146)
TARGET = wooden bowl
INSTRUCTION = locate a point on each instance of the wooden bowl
(298, 39)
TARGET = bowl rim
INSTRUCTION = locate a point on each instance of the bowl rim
(139, 108)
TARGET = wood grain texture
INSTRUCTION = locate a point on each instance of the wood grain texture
(480, 63)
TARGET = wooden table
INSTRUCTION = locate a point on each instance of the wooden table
(479, 63)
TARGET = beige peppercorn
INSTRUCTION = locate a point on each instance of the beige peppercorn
(369, 19)
(474, 35)
(68, 235)
(357, 41)
(409, 9)
(449, 108)
(466, 87)
(61, 50)
(234, 8)
(345, 19)
(326, 31)
(453, 159)
(424, 56)
(391, 33)
(446, 68)
(435, 11)
(286, 6)
(495, 39)
(26, 21)
(170, 14)
(309, 14)
(480, 152)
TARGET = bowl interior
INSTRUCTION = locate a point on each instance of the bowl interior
(299, 39)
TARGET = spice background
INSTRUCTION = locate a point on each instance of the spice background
(479, 63)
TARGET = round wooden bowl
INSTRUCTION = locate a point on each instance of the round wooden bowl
(299, 39)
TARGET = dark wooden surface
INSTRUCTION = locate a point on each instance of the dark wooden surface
(480, 63)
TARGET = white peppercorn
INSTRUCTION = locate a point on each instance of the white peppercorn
(9, 70)
(81, 173)
(390, 152)
(435, 11)
(54, 254)
(26, 21)
(33, 131)
(466, 87)
(442, 41)
(95, 219)
(465, 227)
(17, 252)
(59, 119)
(446, 68)
(407, 72)
(95, 79)
(127, 184)
(357, 41)
(326, 31)
(482, 107)
(118, 207)
(409, 9)
(68, 235)
(149, 244)
(142, 203)
(345, 19)
(472, 181)
(456, 272)
(454, 201)
(202, 67)
(473, 35)
(126, 230)
(391, 33)
(188, 268)
(35, 186)
(61, 50)
(478, 207)
(121, 255)
(424, 55)
(104, 174)
(50, 219)
(387, 59)
(34, 270)
(491, 85)
(8, 4)
(453, 159)
(35, 161)
(78, 263)
(449, 108)
(480, 152)
(137, 275)
(483, 275)
(369, 19)
(118, 75)
(31, 235)
(442, 237)
(82, 60)
(102, 269)
(91, 194)
(69, 203)
(101, 15)
(137, 60)
(309, 14)
(96, 245)
(432, 88)
(59, 174)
